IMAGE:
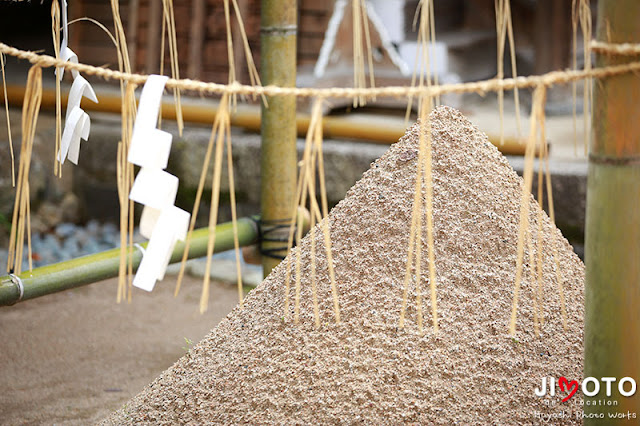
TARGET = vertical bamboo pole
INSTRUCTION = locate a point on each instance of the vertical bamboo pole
(612, 302)
(278, 175)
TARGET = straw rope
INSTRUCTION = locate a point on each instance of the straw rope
(540, 82)
(625, 49)
(481, 87)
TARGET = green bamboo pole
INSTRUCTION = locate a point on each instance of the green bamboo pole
(612, 243)
(279, 157)
(90, 269)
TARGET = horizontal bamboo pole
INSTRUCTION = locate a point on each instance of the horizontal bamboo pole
(96, 267)
(370, 130)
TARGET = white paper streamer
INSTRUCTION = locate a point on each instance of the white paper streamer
(172, 225)
(150, 147)
(162, 222)
(77, 122)
(80, 88)
(148, 220)
(152, 151)
(154, 188)
(76, 126)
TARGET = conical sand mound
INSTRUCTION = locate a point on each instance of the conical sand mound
(255, 368)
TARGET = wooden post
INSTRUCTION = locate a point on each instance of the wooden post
(278, 29)
(153, 53)
(132, 32)
(552, 35)
(612, 243)
(196, 38)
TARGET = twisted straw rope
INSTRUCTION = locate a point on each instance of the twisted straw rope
(625, 49)
(481, 87)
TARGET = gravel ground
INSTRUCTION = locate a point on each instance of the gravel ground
(68, 241)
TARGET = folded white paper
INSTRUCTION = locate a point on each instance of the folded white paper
(148, 220)
(150, 147)
(161, 221)
(154, 188)
(80, 88)
(76, 126)
(172, 225)
(77, 122)
(152, 150)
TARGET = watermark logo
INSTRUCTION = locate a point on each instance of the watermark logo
(598, 390)
(590, 386)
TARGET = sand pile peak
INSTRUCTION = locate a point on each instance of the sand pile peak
(255, 367)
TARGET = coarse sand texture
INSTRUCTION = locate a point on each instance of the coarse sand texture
(258, 367)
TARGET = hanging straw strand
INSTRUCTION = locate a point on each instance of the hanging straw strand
(537, 114)
(254, 75)
(540, 242)
(196, 204)
(234, 216)
(305, 177)
(426, 31)
(231, 61)
(221, 124)
(55, 32)
(20, 220)
(298, 201)
(310, 172)
(173, 55)
(514, 68)
(6, 107)
(367, 38)
(554, 240)
(504, 30)
(124, 174)
(423, 182)
(425, 136)
(325, 221)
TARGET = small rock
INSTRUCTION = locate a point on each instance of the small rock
(110, 235)
(71, 247)
(109, 229)
(70, 208)
(65, 230)
(93, 227)
(91, 247)
(50, 242)
(82, 237)
(49, 214)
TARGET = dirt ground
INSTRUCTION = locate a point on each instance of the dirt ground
(73, 357)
